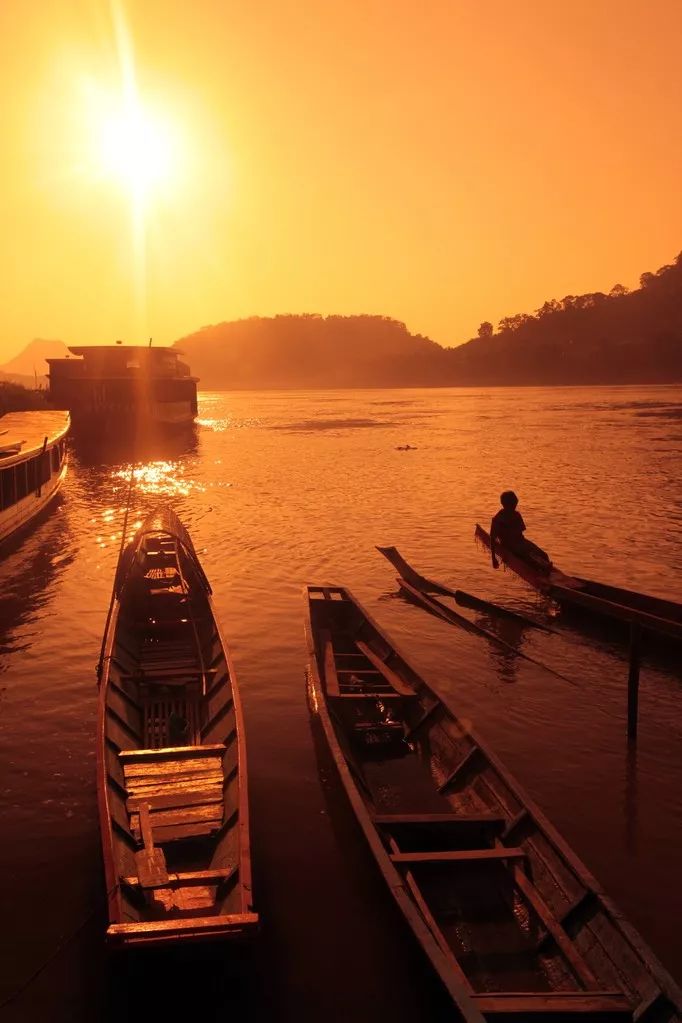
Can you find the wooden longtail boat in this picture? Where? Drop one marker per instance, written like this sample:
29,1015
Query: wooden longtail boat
660,617
512,921
410,580
425,593
172,782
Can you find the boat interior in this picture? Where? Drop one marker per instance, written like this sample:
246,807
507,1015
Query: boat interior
171,747
517,921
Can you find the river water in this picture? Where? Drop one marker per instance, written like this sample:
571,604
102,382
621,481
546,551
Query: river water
279,489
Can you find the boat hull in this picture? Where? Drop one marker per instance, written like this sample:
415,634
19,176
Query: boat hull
513,923
171,757
15,520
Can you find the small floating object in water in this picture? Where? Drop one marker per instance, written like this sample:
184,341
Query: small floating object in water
405,447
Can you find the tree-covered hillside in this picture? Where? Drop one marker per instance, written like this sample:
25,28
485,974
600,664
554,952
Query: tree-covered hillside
312,351
620,337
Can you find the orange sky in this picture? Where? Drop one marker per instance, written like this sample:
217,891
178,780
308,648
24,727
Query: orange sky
443,163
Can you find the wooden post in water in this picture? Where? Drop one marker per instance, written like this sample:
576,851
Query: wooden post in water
633,680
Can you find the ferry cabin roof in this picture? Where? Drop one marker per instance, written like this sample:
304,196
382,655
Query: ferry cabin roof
98,361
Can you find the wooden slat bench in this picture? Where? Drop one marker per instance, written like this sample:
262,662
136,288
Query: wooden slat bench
182,786
520,1006
459,856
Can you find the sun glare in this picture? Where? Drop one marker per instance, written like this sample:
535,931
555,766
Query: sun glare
138,149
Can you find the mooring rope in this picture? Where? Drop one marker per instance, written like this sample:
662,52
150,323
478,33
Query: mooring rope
124,532
58,950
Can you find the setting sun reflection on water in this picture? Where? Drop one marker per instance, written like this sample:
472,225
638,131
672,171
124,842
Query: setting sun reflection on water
166,479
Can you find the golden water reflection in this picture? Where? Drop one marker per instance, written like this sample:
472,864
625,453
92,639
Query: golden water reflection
220,425
159,479
162,478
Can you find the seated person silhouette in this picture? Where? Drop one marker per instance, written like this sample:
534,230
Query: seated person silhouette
508,527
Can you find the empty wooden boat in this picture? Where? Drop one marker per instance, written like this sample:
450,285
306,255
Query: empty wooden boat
585,597
425,591
512,921
172,782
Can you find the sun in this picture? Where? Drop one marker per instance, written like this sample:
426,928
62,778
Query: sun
138,149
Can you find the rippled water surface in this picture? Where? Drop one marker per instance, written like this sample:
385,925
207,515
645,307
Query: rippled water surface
280,489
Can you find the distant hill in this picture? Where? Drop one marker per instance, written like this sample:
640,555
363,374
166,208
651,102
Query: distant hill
620,337
30,362
312,351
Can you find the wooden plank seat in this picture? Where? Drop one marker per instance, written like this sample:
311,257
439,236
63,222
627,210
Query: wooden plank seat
513,1006
182,786
168,650
156,644
189,878
458,856
169,659
466,820
172,673
180,681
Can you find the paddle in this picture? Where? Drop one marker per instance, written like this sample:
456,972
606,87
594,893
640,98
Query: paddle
150,861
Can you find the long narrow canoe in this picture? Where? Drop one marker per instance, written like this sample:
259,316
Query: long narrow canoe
512,921
658,616
429,587
172,782
425,593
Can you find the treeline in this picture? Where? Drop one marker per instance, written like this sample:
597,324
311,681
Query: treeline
15,398
309,350
620,337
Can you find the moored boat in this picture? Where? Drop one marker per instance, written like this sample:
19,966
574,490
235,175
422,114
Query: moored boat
32,465
512,921
661,618
124,390
172,780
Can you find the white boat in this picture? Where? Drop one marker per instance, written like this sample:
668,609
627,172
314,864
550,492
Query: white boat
32,465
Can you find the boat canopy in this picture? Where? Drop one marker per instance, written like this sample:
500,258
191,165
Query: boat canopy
23,434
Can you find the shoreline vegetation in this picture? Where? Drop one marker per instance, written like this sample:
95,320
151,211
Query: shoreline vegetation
623,337
17,398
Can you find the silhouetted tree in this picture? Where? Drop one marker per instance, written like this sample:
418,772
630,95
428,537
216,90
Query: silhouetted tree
486,329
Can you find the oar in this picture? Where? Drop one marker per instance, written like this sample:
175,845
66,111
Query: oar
429,586
448,614
477,604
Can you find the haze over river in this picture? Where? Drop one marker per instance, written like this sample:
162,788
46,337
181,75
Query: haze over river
279,489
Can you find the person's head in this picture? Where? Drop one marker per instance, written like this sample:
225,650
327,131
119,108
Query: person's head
509,500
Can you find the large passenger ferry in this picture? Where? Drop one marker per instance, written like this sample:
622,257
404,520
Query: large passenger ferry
123,389
32,465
